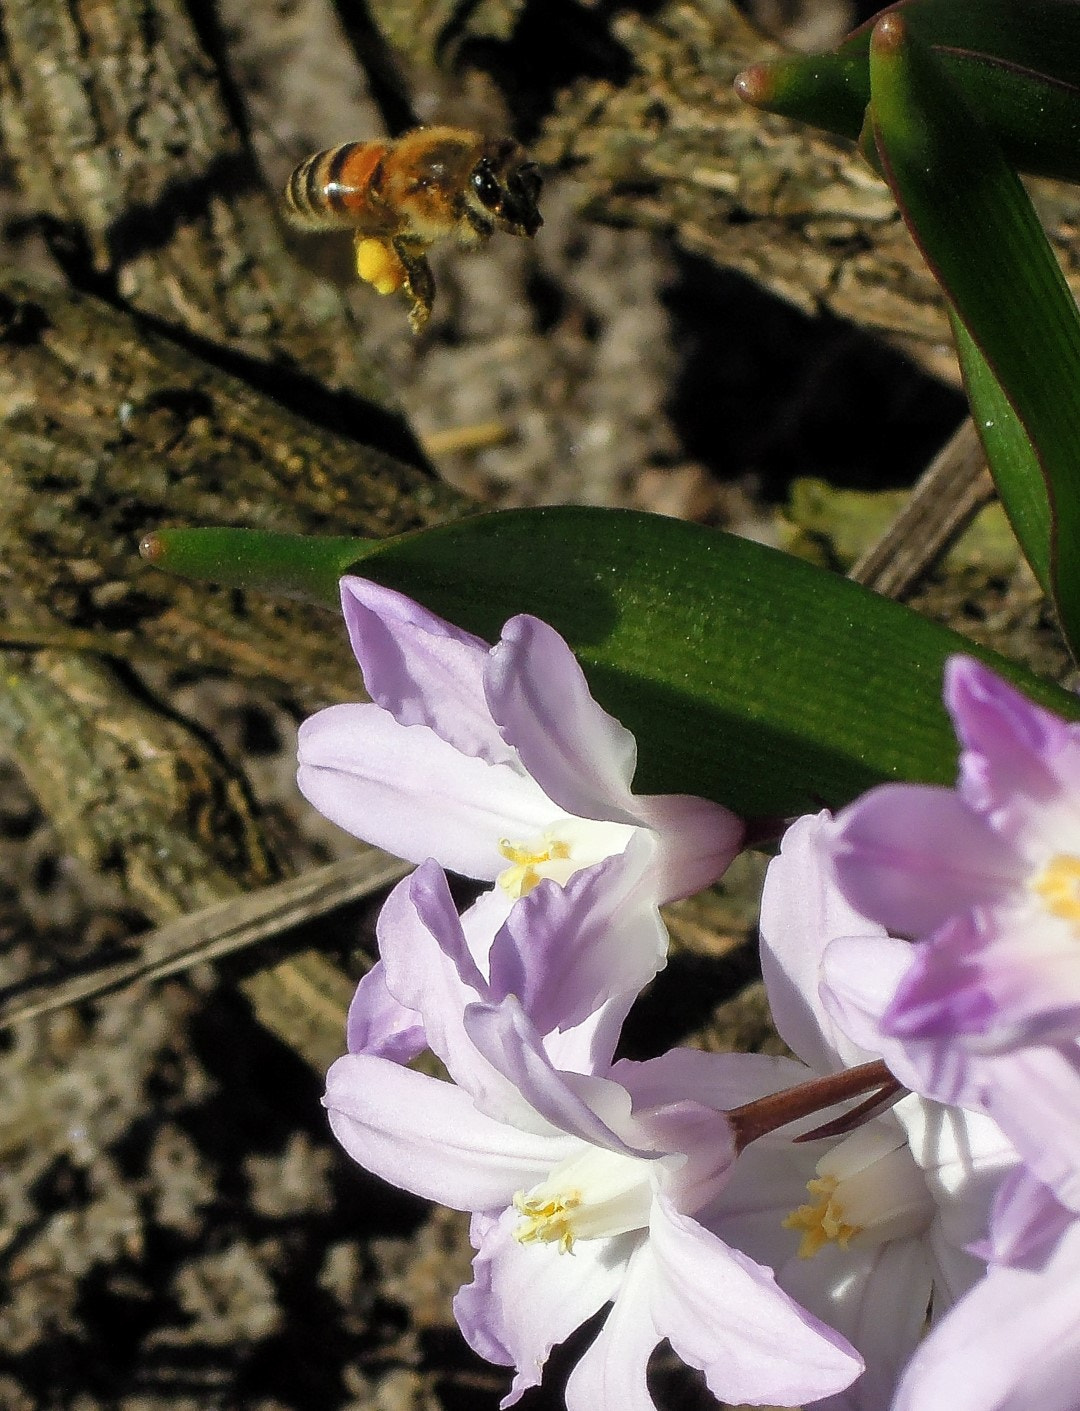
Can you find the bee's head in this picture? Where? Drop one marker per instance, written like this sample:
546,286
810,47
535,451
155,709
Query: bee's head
507,185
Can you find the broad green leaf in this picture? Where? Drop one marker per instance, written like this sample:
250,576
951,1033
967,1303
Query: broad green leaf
1017,63
748,676
976,227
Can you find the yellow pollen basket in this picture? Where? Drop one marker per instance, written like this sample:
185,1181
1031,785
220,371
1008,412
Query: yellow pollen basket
546,1221
822,1220
377,265
526,859
1058,884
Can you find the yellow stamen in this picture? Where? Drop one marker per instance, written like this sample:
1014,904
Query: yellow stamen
519,879
546,1221
822,1220
1059,886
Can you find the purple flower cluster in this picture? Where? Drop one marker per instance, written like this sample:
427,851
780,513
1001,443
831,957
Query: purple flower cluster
984,1011
672,1192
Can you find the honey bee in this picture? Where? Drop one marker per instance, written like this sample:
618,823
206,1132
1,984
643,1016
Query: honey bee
402,196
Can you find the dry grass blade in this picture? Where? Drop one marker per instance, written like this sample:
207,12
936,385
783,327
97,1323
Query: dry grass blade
945,499
213,932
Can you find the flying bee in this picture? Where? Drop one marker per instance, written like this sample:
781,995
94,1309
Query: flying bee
402,196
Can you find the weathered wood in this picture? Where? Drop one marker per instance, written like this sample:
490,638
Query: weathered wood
148,802
426,32
947,497
217,930
114,117
112,429
115,122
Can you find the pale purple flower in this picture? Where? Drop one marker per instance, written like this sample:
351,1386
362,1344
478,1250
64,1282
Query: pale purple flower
497,763
877,1222
1013,1342
583,1175
987,878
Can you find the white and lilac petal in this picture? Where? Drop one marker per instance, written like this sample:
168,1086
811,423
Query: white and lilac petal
526,1298
481,922
424,671
766,1184
802,910
378,1024
1000,983
877,1297
1027,1219
964,1157
419,927
911,856
697,841
581,757
581,1105
1011,1344
429,968
725,1314
859,980
404,789
717,1080
589,1047
1034,1096
427,1137
611,1375
955,1269
1020,765
565,951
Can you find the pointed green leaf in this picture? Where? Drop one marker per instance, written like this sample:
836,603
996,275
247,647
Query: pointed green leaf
1016,469
1017,63
978,230
301,566
748,676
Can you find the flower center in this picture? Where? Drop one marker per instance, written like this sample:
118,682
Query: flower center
561,850
868,1187
546,1221
528,861
1058,884
821,1220
594,1195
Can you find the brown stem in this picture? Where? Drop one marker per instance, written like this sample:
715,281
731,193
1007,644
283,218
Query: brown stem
759,1118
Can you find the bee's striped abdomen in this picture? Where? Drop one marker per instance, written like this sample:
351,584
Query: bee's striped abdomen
333,188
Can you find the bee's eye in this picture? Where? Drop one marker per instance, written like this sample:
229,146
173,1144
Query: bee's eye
487,189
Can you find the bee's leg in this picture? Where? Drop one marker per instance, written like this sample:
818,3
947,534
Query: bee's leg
419,281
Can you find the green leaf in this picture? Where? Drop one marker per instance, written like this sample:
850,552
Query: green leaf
976,227
1017,62
748,676
287,565
1016,469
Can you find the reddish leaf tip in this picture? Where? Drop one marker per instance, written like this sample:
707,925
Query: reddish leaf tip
151,548
889,34
755,85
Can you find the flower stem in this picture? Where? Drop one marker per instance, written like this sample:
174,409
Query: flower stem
757,1119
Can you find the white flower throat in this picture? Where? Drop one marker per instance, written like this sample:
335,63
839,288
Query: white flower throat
594,1195
868,1188
564,848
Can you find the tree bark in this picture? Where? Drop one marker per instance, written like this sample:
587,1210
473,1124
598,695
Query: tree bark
113,429
118,127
